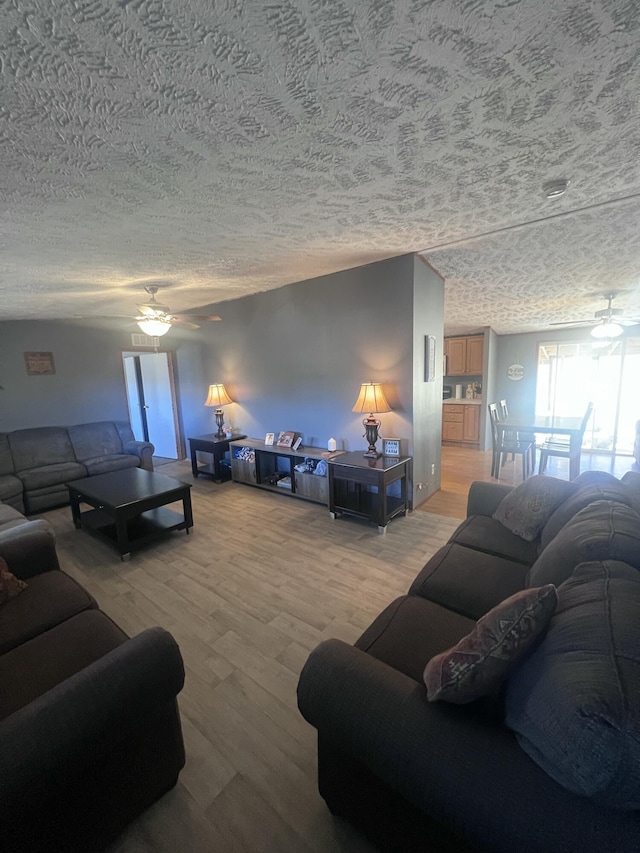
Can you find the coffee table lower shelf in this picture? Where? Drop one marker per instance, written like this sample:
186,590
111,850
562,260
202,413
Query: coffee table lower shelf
141,529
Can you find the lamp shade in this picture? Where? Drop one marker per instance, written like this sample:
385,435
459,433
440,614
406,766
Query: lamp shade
607,329
154,327
217,396
371,399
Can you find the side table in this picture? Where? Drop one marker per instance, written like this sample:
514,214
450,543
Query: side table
215,445
364,488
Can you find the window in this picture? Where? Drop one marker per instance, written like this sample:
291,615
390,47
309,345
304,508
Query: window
571,373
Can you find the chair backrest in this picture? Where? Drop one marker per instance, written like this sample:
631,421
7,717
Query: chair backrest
504,411
585,419
494,417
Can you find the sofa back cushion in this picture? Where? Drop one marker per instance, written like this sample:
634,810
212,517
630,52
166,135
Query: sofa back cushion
6,459
96,439
601,531
40,446
573,703
592,486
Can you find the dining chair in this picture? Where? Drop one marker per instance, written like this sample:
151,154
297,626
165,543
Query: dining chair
502,445
561,446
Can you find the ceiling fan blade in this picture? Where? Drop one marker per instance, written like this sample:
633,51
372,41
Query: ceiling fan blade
186,324
202,317
575,323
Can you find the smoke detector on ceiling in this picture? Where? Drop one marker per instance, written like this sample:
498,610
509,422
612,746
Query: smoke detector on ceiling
555,188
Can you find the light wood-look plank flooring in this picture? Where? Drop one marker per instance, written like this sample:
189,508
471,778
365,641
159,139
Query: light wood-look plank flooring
460,466
259,582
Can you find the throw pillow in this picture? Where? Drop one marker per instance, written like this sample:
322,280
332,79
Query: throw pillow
573,703
526,509
479,663
10,585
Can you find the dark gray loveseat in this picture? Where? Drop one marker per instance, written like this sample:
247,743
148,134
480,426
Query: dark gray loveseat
36,463
90,733
551,761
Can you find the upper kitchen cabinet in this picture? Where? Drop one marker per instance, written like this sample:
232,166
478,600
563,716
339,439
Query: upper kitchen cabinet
464,355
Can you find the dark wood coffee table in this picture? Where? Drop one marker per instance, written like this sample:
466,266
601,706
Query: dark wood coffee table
130,507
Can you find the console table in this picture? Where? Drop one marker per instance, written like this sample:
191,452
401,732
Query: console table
217,446
365,488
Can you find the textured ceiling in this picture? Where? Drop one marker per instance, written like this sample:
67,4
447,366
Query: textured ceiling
218,149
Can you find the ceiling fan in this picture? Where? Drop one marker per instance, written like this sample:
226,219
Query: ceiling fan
607,323
156,319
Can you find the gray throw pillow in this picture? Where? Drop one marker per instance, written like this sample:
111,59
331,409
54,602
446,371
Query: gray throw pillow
526,509
573,703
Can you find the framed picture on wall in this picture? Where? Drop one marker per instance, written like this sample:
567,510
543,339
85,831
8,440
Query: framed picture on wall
39,363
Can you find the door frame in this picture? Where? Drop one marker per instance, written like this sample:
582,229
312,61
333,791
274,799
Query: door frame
173,387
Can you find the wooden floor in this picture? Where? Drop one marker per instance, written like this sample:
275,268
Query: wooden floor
461,466
259,582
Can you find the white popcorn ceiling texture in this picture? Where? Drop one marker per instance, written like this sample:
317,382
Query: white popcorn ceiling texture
223,148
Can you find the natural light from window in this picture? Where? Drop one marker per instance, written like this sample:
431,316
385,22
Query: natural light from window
570,374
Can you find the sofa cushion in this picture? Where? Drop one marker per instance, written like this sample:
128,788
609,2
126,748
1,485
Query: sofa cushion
10,585
34,667
573,703
52,475
592,486
484,533
90,441
10,517
478,664
410,631
34,448
50,598
467,581
105,464
10,487
602,530
527,508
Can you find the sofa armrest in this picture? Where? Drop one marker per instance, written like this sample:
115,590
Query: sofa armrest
143,449
484,498
85,717
459,768
29,549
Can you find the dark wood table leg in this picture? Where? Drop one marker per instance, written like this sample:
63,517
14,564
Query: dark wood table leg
122,537
75,508
186,509
194,463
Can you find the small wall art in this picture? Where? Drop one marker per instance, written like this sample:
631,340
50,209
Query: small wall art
429,358
39,363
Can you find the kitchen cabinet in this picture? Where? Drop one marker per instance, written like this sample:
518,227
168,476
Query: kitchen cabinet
461,423
464,355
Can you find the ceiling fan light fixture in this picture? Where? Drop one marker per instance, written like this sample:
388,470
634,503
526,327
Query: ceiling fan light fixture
154,327
555,188
607,330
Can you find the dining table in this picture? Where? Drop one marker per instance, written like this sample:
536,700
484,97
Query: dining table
568,425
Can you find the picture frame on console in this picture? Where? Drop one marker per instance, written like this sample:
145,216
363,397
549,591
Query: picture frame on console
285,439
269,437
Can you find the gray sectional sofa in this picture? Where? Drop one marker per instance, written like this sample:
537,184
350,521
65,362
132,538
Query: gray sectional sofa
90,731
546,759
36,463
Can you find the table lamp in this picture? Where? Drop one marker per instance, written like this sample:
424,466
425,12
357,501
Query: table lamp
218,397
371,399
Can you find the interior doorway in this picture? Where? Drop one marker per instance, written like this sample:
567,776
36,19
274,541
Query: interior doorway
151,397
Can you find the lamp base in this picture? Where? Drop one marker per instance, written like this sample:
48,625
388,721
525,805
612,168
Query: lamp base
371,426
220,423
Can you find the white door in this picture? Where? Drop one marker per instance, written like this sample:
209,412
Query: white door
150,396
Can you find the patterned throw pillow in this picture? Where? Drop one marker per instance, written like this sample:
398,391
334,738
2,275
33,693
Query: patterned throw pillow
480,662
10,585
526,509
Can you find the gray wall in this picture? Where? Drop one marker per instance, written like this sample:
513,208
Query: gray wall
294,358
88,384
